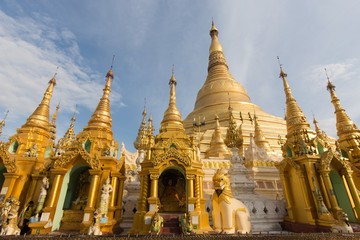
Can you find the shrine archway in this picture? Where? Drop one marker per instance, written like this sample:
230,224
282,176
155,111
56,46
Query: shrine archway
172,191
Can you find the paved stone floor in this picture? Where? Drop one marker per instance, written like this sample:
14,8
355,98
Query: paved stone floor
270,236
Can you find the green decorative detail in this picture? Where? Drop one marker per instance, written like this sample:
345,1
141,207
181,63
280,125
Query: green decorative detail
288,152
320,148
13,147
47,152
87,145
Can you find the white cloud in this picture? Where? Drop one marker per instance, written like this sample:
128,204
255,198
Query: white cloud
32,49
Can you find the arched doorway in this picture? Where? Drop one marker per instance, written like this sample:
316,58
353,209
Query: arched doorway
172,191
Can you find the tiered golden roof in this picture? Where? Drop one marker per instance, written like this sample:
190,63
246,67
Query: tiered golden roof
259,137
141,139
295,118
101,118
53,123
172,115
347,131
218,147
40,117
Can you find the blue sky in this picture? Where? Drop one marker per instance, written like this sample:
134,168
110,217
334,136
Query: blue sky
147,37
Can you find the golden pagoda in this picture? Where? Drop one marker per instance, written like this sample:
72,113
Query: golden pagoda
171,174
317,180
27,153
86,176
347,131
221,89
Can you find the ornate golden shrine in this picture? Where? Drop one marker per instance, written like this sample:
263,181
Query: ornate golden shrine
87,161
171,174
317,180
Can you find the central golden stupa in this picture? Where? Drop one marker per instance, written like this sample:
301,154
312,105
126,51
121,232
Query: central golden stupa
220,91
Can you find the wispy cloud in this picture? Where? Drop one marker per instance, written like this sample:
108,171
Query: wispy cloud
32,49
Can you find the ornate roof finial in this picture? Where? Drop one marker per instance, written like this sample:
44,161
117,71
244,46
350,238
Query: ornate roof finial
142,138
347,131
295,118
40,117
53,123
68,137
259,137
172,114
233,139
217,144
102,116
216,52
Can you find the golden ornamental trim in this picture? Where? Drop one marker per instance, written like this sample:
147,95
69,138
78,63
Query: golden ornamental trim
171,153
10,164
65,159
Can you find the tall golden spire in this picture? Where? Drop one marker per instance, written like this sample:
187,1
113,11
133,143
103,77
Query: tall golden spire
295,118
219,81
259,137
53,123
347,131
101,116
150,133
172,114
344,125
141,139
40,117
217,144
68,137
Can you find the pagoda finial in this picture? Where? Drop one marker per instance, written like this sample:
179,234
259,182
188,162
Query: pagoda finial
259,137
172,114
295,118
40,117
102,116
217,144
216,52
53,123
347,131
68,137
142,138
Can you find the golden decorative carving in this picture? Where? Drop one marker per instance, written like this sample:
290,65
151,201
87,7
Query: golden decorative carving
65,159
171,153
10,164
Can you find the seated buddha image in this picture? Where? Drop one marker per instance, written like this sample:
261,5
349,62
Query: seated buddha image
172,197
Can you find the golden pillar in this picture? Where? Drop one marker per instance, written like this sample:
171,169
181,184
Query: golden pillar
190,194
114,195
9,183
153,199
197,193
308,208
330,192
288,197
94,189
354,193
50,204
